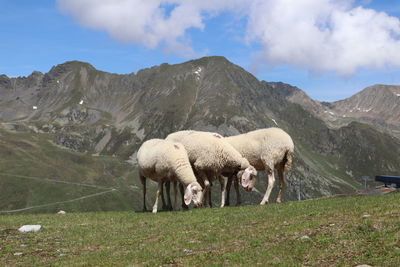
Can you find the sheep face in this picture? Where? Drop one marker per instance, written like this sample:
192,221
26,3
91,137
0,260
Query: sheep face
247,178
193,192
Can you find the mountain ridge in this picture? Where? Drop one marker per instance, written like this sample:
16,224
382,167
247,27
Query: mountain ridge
377,105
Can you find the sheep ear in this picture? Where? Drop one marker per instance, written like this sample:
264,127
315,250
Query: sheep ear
188,195
239,174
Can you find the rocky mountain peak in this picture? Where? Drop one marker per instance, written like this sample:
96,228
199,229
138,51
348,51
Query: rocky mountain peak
72,65
285,89
377,105
36,74
68,67
211,60
4,81
374,102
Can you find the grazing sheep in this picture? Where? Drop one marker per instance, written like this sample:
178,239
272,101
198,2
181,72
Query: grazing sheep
160,161
210,156
267,150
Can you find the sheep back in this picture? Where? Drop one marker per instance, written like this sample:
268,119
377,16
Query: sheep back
159,160
209,151
269,145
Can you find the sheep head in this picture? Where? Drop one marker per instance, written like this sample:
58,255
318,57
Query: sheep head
247,178
193,192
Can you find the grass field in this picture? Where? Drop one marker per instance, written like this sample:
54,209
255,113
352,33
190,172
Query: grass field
327,232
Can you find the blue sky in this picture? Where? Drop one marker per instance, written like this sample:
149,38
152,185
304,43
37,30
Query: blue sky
36,35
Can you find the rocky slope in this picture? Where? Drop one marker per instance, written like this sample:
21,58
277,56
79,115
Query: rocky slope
97,113
377,105
378,102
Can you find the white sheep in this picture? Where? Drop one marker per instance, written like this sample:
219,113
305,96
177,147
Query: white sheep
267,150
160,161
210,156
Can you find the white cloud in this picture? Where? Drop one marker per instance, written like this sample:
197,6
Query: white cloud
320,35
146,22
324,35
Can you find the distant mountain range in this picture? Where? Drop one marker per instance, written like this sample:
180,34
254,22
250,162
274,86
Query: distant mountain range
377,105
100,116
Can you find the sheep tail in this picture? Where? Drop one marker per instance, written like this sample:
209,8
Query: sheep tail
287,160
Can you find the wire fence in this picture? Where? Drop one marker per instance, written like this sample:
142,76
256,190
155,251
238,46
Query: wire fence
59,202
52,180
42,179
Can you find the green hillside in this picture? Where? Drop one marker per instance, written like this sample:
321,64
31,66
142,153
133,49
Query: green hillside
328,232
38,174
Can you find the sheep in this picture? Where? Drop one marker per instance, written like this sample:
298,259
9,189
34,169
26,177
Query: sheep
161,160
267,150
210,156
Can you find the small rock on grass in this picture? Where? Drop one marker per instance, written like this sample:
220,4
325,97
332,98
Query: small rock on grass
187,251
29,228
304,237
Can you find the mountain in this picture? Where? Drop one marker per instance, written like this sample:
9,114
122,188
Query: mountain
377,105
100,116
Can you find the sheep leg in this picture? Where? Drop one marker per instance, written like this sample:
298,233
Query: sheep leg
158,194
228,189
271,182
182,190
209,195
175,194
236,184
281,184
207,191
164,206
205,184
143,180
168,190
223,181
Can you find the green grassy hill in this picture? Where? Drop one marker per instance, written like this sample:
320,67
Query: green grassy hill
328,232
38,176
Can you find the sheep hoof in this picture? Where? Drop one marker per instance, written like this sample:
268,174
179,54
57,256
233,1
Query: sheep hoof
154,211
278,201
